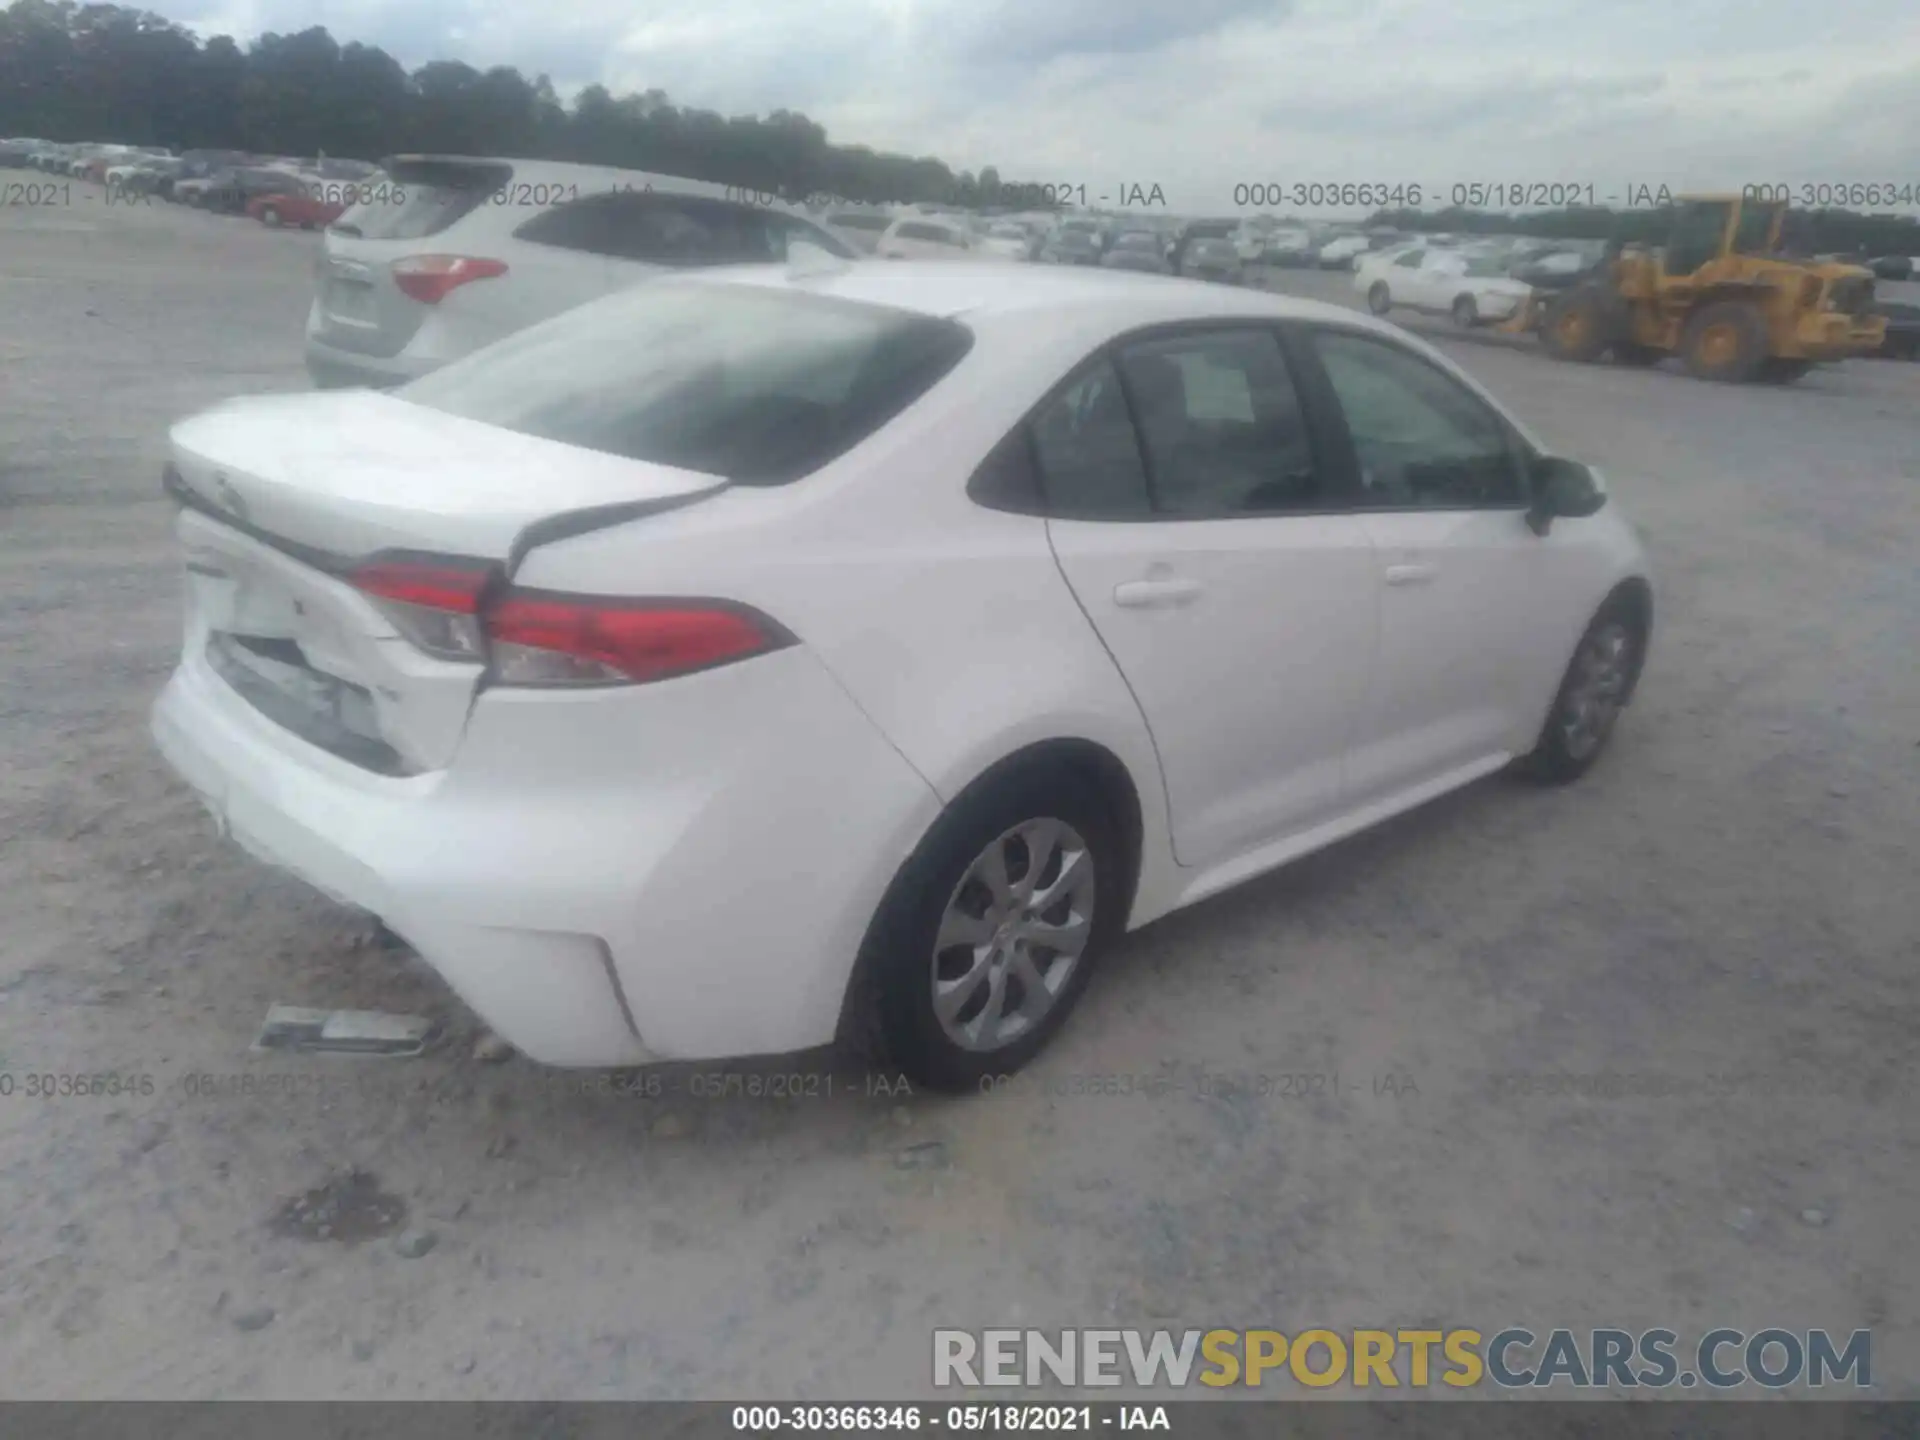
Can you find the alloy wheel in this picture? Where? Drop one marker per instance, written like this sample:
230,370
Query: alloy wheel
1601,674
1013,933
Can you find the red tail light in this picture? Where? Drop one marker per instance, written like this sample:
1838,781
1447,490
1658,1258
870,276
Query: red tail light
535,638
434,603
431,278
540,639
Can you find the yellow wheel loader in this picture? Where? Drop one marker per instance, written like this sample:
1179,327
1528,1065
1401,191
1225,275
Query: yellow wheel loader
1719,294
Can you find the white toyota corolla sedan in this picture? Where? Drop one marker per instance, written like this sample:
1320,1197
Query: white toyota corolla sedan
757,657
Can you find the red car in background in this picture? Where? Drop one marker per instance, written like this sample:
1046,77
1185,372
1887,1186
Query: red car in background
315,205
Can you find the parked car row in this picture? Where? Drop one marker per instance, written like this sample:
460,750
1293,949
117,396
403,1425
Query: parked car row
276,190
1156,245
77,162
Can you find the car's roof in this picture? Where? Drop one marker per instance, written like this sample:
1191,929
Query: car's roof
565,170
1077,309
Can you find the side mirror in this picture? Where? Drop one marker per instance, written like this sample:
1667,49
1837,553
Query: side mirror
1562,488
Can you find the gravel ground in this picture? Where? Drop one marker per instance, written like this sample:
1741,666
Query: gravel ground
1728,902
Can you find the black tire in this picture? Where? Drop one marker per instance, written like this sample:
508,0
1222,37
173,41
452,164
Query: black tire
897,966
1379,298
1725,342
1784,372
1557,757
1576,327
1638,357
1465,313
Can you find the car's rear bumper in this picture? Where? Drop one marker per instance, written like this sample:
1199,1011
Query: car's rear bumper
1498,307
680,871
334,368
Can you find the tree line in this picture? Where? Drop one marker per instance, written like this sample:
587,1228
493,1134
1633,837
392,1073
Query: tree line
71,71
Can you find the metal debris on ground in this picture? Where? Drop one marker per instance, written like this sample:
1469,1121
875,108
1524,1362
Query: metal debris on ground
344,1032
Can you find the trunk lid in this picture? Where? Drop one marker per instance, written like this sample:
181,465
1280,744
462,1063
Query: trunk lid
352,472
284,495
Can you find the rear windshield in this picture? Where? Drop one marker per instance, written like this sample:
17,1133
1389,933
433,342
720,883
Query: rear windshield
938,234
420,198
759,386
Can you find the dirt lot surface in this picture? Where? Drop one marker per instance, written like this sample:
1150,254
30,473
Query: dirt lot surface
1728,904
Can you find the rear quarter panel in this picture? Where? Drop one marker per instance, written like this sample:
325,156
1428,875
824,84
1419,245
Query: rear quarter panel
949,624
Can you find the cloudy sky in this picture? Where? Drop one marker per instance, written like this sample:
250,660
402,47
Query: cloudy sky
1200,96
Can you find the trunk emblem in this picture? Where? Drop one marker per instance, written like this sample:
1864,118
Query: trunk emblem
228,498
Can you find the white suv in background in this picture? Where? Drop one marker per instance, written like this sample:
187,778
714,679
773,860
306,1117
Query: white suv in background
446,254
924,237
861,229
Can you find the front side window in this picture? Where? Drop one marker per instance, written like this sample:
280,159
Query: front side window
758,386
1751,234
1422,440
1221,424
1695,239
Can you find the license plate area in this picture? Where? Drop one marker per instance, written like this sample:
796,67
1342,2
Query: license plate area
274,677
351,301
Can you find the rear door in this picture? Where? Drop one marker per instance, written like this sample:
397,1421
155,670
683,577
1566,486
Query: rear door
1198,527
357,304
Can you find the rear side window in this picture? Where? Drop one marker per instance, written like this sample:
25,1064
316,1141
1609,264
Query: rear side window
421,198
938,234
1088,455
675,230
760,386
871,223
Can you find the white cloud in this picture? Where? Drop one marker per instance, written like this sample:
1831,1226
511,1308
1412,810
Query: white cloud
1198,95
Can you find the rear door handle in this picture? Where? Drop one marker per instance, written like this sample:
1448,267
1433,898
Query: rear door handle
1411,574
1144,594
